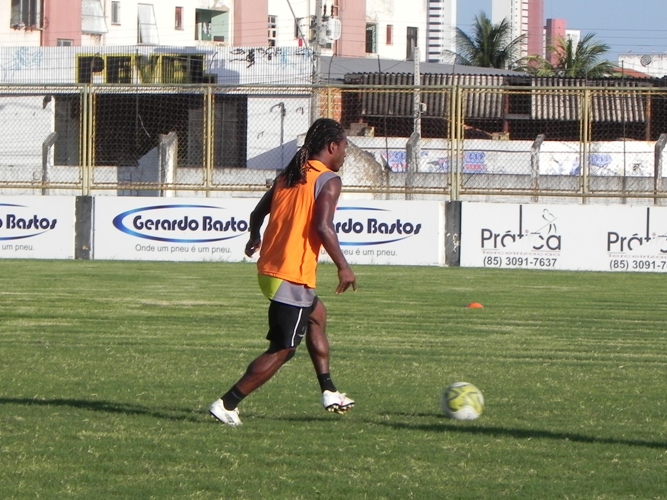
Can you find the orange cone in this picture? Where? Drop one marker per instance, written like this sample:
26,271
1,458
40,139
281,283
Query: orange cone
475,305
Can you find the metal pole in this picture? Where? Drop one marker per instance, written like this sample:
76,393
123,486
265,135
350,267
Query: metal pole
586,136
209,147
417,95
317,54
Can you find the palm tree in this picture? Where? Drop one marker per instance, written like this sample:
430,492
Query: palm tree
489,46
581,60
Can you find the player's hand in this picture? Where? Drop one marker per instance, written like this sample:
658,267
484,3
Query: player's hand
346,279
252,246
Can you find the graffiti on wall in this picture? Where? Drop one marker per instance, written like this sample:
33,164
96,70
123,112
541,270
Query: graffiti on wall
233,65
22,58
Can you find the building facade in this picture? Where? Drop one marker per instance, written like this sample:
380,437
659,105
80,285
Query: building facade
526,17
389,29
441,29
650,64
116,22
554,31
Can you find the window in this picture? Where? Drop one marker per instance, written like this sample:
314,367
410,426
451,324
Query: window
273,30
178,23
211,25
204,25
63,42
371,38
115,13
147,27
26,14
390,34
93,21
411,43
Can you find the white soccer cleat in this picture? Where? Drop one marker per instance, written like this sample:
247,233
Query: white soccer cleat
336,402
222,414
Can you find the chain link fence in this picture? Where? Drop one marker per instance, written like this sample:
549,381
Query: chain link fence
544,139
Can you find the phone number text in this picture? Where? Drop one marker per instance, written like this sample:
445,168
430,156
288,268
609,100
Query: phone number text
532,262
637,265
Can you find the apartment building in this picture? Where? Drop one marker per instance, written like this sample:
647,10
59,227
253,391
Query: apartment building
115,22
388,29
526,17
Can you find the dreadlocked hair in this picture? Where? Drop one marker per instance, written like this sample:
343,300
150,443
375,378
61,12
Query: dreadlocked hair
321,133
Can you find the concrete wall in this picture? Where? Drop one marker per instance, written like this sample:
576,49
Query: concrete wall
274,122
251,23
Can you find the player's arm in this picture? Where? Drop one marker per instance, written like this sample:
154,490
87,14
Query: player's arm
325,208
257,217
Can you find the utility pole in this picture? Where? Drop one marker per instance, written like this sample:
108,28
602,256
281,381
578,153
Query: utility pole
317,56
413,147
417,102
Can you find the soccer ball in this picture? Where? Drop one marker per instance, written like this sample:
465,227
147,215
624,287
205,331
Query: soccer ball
462,401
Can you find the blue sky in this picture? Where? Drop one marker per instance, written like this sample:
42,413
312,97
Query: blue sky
628,26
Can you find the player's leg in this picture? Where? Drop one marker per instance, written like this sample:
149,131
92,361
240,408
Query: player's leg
317,343
316,338
287,326
263,368
258,372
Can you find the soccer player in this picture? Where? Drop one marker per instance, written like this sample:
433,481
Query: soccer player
301,204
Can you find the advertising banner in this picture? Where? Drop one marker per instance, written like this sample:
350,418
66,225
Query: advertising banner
569,237
37,227
370,232
174,229
407,233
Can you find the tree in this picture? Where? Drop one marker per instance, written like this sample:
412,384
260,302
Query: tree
582,60
489,46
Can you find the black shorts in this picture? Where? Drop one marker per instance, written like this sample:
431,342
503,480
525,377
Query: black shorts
288,324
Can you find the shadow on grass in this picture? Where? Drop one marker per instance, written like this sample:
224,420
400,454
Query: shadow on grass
176,414
470,428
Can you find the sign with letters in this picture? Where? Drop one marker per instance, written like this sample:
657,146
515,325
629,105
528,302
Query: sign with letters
176,229
37,227
570,237
390,232
216,229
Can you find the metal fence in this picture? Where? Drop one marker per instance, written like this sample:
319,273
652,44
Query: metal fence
452,142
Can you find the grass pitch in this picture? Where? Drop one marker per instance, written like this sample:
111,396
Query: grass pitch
107,370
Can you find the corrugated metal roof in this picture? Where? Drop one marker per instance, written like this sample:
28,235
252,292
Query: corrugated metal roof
607,105
560,99
557,104
478,104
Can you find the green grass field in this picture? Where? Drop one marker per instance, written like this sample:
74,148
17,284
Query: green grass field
107,370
